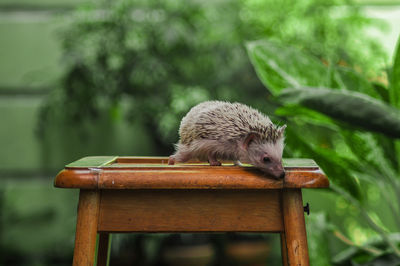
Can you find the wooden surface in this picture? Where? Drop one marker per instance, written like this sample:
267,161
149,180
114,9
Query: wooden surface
144,194
295,229
154,173
190,211
86,228
139,161
284,249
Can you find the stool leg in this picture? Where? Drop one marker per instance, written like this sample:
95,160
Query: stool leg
86,228
284,249
295,229
103,249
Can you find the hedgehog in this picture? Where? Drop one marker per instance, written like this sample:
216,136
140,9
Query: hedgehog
217,130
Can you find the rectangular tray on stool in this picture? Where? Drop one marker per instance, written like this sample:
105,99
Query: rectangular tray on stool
145,194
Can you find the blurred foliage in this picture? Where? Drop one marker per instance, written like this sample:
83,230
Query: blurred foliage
163,57
369,254
360,151
317,228
46,227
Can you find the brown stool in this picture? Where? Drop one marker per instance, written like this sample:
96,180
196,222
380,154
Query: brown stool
144,194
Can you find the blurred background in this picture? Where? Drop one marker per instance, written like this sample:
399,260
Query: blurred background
80,78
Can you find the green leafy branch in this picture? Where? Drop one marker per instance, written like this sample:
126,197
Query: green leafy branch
338,110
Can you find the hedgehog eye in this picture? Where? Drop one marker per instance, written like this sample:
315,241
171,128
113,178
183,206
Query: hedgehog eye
266,160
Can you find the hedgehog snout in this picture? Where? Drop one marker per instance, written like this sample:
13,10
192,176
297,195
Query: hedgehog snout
277,172
282,176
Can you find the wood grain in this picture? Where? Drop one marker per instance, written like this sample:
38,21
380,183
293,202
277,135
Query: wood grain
295,229
144,194
190,211
284,249
200,178
131,173
77,178
86,228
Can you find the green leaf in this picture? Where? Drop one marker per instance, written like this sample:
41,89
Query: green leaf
279,66
382,91
293,110
394,89
354,108
362,257
388,147
367,149
336,167
316,126
348,78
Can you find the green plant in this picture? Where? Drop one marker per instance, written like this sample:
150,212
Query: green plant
162,57
350,126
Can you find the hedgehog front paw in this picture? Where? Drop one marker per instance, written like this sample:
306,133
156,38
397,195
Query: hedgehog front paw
213,160
171,160
215,163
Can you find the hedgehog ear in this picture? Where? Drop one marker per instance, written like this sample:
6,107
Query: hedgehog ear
281,130
248,139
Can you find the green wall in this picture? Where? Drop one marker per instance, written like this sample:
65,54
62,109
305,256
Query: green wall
31,63
37,221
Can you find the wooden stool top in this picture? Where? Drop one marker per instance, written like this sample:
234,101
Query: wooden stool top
154,173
